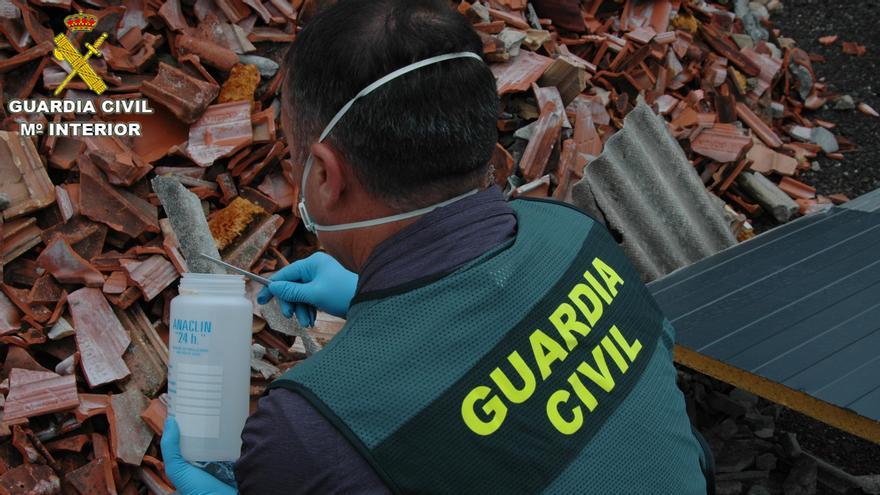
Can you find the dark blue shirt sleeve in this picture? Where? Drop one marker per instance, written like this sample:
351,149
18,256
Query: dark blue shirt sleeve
288,447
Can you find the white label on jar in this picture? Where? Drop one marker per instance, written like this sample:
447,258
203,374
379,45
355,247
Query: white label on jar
197,399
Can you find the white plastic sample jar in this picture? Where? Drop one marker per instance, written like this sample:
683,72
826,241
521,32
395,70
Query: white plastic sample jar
209,365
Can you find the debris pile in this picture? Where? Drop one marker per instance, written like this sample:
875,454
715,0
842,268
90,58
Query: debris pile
95,231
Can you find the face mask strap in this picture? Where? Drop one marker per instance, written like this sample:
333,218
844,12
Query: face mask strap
310,225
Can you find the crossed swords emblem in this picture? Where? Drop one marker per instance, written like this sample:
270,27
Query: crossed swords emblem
65,51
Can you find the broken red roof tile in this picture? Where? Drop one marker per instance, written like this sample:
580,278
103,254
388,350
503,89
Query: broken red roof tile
10,318
45,291
154,415
279,189
22,176
34,393
67,267
18,236
116,283
565,15
721,143
122,166
33,53
30,479
129,434
828,40
757,126
796,189
100,337
520,72
185,96
769,67
208,52
867,110
765,160
91,405
118,208
544,137
65,205
171,13
848,47
222,130
152,276
73,443
92,478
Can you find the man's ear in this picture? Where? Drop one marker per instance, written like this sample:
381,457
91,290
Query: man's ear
328,174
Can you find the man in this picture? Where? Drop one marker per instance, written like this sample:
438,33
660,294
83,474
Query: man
490,347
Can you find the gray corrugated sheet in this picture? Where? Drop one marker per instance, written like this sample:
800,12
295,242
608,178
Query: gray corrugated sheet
799,305
644,189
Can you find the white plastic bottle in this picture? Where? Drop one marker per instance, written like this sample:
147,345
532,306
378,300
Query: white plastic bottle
209,365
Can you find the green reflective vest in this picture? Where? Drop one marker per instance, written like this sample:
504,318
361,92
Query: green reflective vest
544,366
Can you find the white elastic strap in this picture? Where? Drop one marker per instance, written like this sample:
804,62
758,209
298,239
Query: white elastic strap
304,214
391,218
393,75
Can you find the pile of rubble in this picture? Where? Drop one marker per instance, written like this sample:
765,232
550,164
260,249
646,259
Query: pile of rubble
92,248
753,455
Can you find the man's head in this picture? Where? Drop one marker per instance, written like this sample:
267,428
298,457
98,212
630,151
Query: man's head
417,140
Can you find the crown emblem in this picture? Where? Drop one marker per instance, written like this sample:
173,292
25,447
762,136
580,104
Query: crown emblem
81,22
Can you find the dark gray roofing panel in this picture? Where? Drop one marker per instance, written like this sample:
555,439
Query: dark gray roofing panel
799,305
643,187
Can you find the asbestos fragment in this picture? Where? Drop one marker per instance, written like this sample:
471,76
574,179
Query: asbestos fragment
248,249
188,221
100,337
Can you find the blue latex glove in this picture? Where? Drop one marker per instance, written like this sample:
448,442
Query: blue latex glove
188,479
317,281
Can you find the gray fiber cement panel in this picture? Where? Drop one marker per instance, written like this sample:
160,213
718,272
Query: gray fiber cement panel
799,305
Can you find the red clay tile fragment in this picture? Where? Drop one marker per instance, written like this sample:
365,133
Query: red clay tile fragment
209,52
91,405
92,478
129,434
33,53
185,96
867,110
828,40
122,166
720,145
222,130
544,137
154,416
17,237
797,189
151,276
74,443
757,125
765,160
67,267
852,48
10,318
30,479
118,208
100,337
520,72
34,393
22,176
116,283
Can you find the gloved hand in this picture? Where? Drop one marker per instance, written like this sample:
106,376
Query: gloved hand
317,281
188,479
